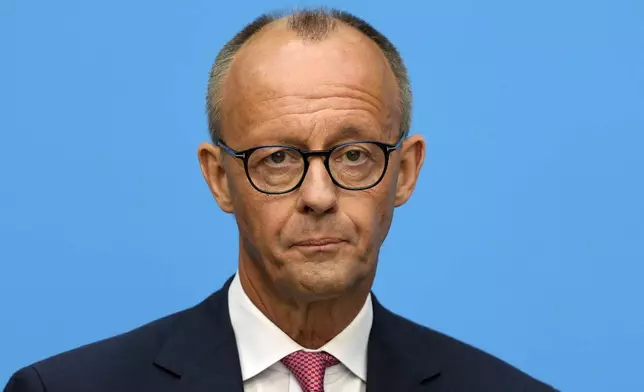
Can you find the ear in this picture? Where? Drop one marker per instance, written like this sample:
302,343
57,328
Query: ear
214,172
412,156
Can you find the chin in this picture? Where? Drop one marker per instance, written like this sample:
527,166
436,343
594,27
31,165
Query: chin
325,279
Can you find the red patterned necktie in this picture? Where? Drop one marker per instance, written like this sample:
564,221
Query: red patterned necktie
309,367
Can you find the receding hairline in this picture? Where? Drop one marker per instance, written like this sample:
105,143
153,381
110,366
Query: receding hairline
284,25
290,22
310,25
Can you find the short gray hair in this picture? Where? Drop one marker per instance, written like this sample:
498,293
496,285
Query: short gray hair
311,25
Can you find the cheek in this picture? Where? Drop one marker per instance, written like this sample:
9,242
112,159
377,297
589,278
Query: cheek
371,215
264,217
274,213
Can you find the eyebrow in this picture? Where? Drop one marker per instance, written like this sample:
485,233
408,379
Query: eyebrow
344,134
351,132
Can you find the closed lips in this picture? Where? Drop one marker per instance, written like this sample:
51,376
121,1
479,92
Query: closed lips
319,242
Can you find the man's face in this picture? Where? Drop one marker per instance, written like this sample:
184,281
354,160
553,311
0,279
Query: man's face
319,240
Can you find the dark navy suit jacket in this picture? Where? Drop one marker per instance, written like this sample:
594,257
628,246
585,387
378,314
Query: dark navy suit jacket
195,351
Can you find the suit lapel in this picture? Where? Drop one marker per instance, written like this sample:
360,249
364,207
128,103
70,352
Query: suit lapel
398,358
200,352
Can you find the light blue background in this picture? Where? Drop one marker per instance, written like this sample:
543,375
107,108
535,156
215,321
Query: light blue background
525,236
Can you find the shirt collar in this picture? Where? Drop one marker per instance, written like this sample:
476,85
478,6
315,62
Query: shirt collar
261,343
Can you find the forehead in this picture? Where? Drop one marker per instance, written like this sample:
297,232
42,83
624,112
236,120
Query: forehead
278,77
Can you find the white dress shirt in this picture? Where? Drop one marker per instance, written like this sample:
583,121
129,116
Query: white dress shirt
261,345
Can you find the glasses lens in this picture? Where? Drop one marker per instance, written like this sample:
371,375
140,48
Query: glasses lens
357,165
275,169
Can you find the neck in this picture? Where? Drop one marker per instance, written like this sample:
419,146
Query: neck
309,322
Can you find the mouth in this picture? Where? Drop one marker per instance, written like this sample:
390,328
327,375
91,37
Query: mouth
319,244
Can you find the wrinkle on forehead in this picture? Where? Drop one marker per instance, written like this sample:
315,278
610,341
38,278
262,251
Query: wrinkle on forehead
278,71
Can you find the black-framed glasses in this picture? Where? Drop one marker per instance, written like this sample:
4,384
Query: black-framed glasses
277,169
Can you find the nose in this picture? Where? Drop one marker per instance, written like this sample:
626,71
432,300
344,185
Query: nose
317,192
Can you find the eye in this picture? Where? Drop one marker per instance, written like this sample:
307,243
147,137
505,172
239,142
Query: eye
353,155
277,157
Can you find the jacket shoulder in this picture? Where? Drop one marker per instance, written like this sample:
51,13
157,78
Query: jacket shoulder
129,355
463,366
25,380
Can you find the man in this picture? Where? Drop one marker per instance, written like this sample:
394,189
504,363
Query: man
309,116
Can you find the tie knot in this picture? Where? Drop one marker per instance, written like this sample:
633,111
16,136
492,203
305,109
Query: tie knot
309,367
